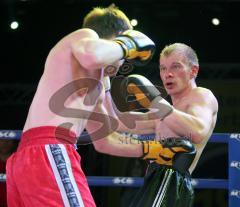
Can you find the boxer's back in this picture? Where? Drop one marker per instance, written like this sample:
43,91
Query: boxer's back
61,69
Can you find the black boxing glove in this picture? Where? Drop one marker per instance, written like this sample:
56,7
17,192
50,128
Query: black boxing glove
147,95
137,47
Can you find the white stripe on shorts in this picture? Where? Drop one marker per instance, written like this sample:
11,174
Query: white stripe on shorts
65,165
162,189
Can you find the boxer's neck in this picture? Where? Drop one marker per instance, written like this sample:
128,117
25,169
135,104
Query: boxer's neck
177,98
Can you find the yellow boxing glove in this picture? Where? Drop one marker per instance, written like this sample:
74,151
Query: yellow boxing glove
176,152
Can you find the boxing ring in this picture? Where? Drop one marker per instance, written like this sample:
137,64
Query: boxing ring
232,184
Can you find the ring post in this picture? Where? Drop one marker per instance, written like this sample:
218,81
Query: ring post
234,170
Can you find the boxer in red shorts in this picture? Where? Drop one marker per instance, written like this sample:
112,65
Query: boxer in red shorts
54,178
45,170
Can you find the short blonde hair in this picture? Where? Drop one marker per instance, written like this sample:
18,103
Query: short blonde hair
189,53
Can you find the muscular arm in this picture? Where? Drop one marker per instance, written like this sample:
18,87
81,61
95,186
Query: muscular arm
114,143
119,145
94,53
198,120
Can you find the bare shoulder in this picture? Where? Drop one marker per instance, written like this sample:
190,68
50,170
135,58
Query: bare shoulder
74,37
204,92
79,34
84,33
206,95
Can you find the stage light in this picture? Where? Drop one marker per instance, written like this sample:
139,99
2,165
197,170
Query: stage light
215,21
134,22
14,25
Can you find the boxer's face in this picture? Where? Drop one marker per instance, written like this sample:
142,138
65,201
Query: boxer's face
175,73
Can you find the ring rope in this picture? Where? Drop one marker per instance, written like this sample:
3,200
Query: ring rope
231,184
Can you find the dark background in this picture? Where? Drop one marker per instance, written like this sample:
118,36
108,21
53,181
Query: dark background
43,23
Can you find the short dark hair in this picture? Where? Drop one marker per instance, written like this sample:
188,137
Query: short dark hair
107,22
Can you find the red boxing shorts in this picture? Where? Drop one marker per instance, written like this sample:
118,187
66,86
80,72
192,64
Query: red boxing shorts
46,171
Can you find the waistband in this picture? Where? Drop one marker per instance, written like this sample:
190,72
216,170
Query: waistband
153,166
47,135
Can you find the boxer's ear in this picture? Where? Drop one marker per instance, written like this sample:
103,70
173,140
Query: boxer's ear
194,71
